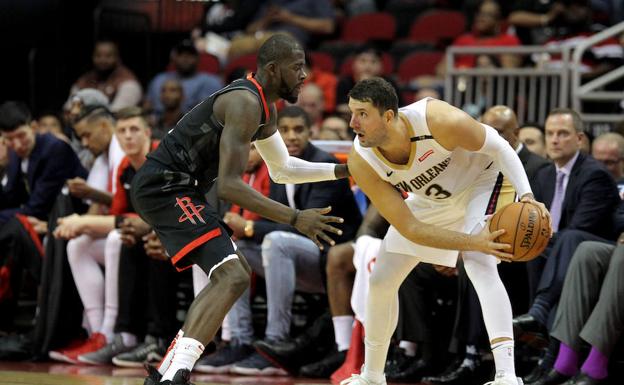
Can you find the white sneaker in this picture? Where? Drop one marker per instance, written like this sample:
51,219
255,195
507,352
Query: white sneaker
357,379
501,378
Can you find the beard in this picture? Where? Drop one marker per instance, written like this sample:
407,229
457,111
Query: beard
288,94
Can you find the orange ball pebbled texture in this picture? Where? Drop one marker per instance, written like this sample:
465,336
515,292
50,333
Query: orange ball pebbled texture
526,231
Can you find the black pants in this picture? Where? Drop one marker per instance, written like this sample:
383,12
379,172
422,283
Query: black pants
147,294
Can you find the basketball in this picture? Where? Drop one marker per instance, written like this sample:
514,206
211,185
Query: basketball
526,231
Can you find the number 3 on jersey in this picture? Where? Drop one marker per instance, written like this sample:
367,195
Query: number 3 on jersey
437,191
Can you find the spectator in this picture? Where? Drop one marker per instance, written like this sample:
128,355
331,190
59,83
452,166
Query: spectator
171,97
38,165
197,86
335,128
313,103
50,122
326,81
486,32
608,148
532,136
110,77
535,20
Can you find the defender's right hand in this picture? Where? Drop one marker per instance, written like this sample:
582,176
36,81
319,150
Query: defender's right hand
314,224
485,242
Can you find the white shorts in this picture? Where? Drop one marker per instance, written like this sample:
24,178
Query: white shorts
461,214
366,250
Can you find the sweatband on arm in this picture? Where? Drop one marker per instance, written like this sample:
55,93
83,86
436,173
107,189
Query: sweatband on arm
507,159
284,168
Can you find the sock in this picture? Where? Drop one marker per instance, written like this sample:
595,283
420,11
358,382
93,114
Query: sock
567,361
472,359
187,352
166,361
409,347
504,358
596,364
373,376
129,339
342,331
108,324
95,316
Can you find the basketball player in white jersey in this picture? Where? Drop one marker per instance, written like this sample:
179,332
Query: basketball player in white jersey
448,165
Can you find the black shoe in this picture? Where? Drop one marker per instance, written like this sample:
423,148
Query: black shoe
553,377
221,361
529,330
583,379
325,367
153,376
182,377
537,373
414,372
397,362
462,375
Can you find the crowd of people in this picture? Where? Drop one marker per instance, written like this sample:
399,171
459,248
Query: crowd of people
73,221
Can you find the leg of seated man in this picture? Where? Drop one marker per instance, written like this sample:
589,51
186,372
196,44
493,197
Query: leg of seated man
340,276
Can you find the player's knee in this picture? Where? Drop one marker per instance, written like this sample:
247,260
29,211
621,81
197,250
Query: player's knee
237,278
340,260
76,247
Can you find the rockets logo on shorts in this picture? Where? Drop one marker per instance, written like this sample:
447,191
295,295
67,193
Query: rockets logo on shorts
189,210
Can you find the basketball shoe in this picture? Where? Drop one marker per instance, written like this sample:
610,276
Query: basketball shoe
95,342
152,350
358,379
182,377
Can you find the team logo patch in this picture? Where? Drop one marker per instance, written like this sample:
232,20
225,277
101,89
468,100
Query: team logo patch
425,155
189,210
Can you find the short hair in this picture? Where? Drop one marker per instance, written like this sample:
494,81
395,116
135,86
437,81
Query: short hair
98,114
533,125
295,112
576,118
612,137
377,91
277,48
368,48
13,115
131,112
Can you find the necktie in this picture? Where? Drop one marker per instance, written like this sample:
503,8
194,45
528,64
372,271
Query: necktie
557,202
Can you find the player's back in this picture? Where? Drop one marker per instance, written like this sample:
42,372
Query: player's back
192,146
432,171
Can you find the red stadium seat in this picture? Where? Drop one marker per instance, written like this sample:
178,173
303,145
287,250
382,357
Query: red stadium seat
437,26
369,26
417,64
346,68
208,63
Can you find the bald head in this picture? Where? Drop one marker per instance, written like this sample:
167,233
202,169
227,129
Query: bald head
503,119
277,48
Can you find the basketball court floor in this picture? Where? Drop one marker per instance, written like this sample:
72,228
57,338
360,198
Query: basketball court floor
12,373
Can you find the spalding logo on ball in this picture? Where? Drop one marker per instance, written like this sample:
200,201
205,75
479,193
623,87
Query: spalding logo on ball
526,231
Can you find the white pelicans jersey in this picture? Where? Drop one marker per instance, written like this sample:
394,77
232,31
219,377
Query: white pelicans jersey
432,171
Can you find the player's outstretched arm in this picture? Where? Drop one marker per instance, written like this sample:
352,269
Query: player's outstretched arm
284,168
391,205
242,117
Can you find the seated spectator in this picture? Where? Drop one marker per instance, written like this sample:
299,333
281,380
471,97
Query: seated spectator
300,18
532,136
50,122
536,20
590,311
335,128
367,63
38,165
608,149
110,77
197,86
171,97
4,161
486,32
312,101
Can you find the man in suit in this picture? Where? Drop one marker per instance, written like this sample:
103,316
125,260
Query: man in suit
286,259
37,168
582,197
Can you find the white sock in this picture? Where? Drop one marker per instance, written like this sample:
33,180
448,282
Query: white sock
409,347
187,352
343,325
166,361
372,375
504,358
129,339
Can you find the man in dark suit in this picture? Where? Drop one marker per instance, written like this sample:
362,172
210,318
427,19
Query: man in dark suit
582,197
277,252
38,165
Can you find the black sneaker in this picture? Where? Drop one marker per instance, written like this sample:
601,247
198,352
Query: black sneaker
151,351
182,377
222,360
256,365
105,355
153,376
325,367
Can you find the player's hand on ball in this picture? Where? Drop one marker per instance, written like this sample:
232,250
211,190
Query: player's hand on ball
528,198
314,224
485,242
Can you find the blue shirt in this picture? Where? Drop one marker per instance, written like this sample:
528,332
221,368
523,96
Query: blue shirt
196,88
